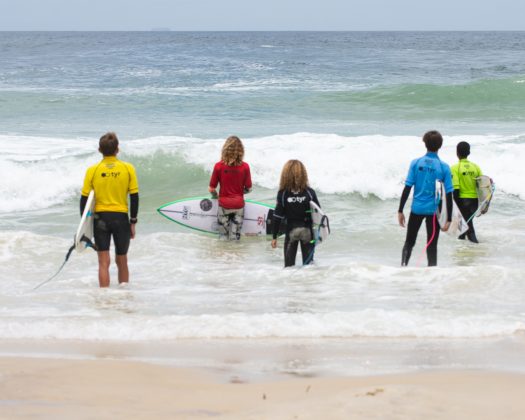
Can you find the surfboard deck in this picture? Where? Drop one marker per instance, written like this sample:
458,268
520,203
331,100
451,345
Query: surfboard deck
85,227
200,213
485,189
458,225
320,222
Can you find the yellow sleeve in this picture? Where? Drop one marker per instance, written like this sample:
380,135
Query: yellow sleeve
87,187
133,181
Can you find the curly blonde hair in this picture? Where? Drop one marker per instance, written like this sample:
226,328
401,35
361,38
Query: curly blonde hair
293,176
232,151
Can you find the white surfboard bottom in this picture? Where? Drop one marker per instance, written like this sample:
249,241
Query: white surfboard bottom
85,227
485,189
320,222
458,225
200,213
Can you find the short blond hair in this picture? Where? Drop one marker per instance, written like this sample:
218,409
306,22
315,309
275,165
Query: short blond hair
232,151
294,176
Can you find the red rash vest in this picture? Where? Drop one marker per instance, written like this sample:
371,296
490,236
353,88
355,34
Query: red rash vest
233,180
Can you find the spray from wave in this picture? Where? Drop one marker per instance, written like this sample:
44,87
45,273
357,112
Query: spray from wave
39,173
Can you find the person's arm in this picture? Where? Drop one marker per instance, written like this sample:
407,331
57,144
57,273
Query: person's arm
133,212
314,197
404,197
449,206
214,180
83,202
455,194
278,216
247,180
133,206
86,189
133,190
449,188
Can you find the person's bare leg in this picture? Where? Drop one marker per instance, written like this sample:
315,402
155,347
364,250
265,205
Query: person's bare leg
103,268
123,271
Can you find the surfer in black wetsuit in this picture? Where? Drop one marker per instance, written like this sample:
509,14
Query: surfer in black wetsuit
293,205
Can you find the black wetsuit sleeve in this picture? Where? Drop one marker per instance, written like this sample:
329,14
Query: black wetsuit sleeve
404,197
278,215
314,197
449,207
456,196
83,202
133,205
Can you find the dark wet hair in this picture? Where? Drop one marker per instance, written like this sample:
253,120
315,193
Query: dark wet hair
433,140
463,149
108,144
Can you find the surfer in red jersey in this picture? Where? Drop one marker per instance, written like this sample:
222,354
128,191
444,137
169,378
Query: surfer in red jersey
233,176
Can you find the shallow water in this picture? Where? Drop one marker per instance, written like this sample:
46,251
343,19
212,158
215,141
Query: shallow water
351,106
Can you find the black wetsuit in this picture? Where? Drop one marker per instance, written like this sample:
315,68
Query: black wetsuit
295,208
414,223
468,207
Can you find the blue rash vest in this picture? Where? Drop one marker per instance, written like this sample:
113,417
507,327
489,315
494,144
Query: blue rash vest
422,175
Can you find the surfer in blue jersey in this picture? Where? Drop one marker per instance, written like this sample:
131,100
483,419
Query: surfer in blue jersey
422,175
293,205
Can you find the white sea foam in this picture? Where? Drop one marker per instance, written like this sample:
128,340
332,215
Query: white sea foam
365,164
368,323
184,286
37,173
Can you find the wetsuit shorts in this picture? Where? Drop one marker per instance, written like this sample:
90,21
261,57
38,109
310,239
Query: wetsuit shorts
116,224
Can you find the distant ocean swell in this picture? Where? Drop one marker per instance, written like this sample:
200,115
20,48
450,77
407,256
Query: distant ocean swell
481,100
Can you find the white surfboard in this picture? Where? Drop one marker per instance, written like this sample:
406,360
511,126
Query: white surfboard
485,188
200,213
321,225
458,225
85,227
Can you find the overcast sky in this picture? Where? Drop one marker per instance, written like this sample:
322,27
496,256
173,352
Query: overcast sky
224,15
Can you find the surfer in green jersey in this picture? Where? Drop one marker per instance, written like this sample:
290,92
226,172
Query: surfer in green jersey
464,174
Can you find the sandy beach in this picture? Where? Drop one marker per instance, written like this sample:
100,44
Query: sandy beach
269,379
215,329
82,389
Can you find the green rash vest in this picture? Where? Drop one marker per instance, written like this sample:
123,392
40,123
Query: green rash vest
464,174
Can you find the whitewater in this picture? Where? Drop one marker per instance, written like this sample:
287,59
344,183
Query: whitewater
351,106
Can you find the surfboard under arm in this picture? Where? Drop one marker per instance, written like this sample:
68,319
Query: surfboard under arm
458,225
84,236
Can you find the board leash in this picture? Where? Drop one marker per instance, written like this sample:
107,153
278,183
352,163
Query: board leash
85,239
59,270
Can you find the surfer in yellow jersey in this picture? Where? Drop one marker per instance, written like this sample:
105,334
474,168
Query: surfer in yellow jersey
464,174
112,180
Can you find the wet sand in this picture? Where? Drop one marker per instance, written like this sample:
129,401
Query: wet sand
82,389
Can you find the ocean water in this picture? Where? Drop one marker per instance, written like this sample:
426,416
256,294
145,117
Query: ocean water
351,106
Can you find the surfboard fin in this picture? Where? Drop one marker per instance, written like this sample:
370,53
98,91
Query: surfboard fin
88,242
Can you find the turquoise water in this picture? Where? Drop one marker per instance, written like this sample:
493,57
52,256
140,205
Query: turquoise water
211,84
352,106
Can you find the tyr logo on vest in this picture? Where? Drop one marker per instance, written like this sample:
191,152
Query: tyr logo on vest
296,199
